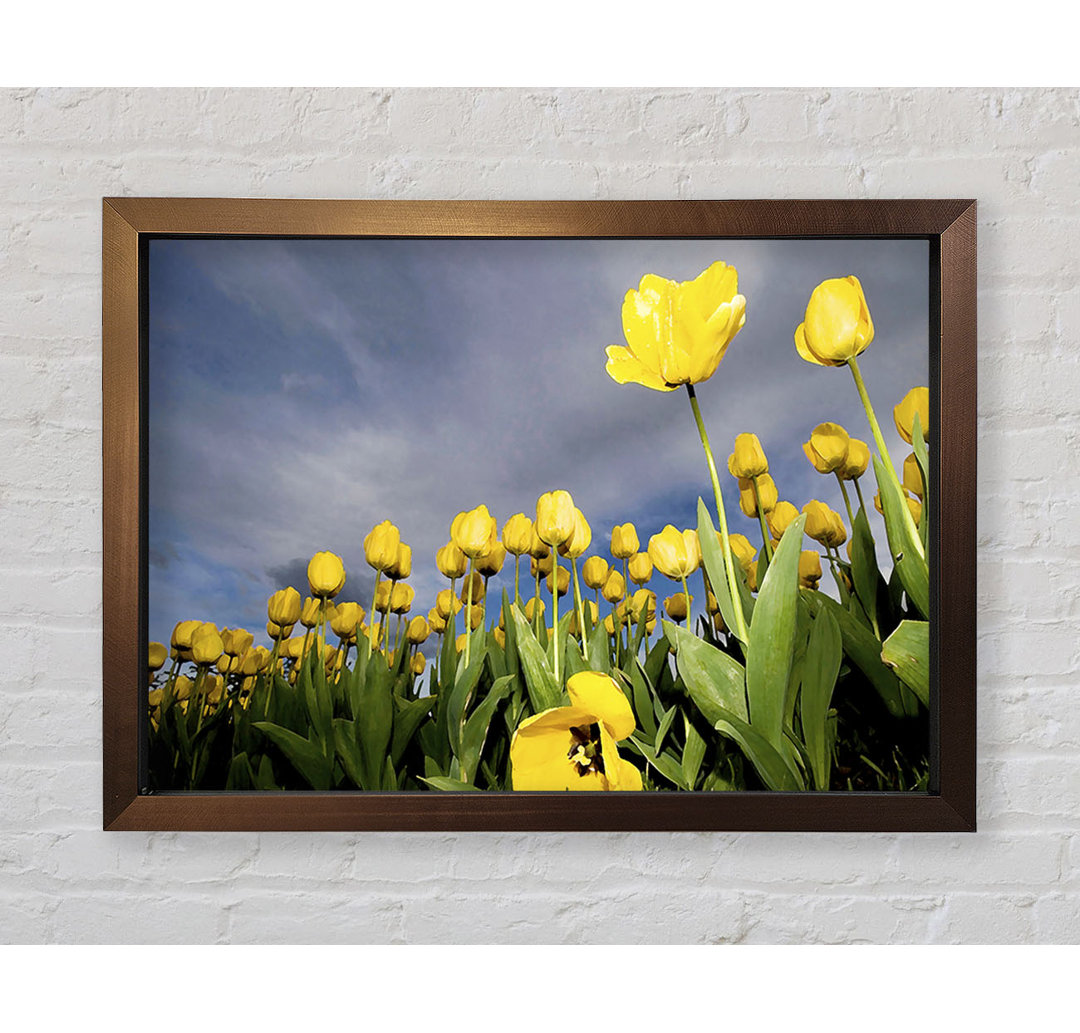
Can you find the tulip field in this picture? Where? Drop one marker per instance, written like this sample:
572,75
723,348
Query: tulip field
546,663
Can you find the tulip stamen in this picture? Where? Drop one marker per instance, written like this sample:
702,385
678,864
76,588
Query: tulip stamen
585,750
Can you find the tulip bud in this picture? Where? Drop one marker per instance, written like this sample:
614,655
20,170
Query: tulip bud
711,604
183,687
155,696
326,575
538,550
741,548
718,622
402,565
277,632
765,488
580,538
564,581
675,605
500,637
381,546
917,400
913,480
555,517
543,566
417,665
445,602
838,326
809,569
417,631
640,568
459,642
751,576
346,620
916,510
236,641
451,561
382,597
156,655
401,598
624,541
675,554
206,644
530,608
228,664
437,621
827,448
517,534
614,587
309,614
213,688
748,459
594,571
858,459
780,518
283,607
609,625
817,519
489,563
643,601
473,531
478,589
181,638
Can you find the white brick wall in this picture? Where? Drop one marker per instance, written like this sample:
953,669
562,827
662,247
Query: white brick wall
62,879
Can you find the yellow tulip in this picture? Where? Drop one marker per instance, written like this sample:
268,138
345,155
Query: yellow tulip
381,546
417,631
766,489
751,576
555,516
580,537
517,534
254,660
228,664
614,587
181,638
741,549
677,333
401,598
824,524
594,616
489,563
236,641
445,602
402,565
478,589
837,326
538,550
642,601
417,665
828,447
913,480
284,606
858,459
437,621
594,571
156,654
809,569
326,575
451,561
530,608
564,581
640,568
155,696
748,459
917,400
382,597
346,620
500,636
542,567
213,688
206,644
575,747
780,518
916,510
474,531
183,688
675,605
459,642
676,554
309,614
624,541
277,632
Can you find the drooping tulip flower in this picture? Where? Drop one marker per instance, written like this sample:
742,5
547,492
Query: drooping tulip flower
451,561
284,606
575,747
555,517
677,333
828,447
917,400
326,575
382,597
156,655
676,554
594,571
748,459
474,531
624,541
181,638
381,546
837,326
517,534
640,568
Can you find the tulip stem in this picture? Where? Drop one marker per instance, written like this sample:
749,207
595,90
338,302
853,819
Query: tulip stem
517,575
689,600
468,611
766,540
555,610
729,563
580,611
847,501
858,491
883,449
374,598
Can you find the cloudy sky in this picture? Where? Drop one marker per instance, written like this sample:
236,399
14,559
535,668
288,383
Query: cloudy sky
303,391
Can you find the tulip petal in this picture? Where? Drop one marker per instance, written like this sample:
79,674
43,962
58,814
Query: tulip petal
600,695
832,320
804,349
624,367
624,777
539,752
646,315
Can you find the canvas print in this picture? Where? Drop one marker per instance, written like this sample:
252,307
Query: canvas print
434,515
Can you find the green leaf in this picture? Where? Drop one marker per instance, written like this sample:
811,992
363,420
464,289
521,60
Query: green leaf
305,756
918,445
642,699
769,763
349,753
904,547
664,727
864,651
772,637
907,651
662,762
240,775
450,785
716,682
264,777
375,721
820,671
693,753
544,692
406,721
712,555
864,569
476,727
464,685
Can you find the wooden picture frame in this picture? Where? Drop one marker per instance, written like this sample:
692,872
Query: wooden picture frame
950,228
